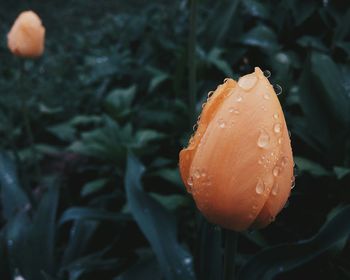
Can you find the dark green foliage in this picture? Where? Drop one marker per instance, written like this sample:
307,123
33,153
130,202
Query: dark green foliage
108,106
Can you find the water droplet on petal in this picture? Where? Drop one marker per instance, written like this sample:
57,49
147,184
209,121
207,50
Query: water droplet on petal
247,82
275,116
225,80
233,110
275,189
203,105
284,161
210,94
222,123
280,140
197,174
239,98
277,128
278,89
276,171
293,183
190,181
264,139
266,96
267,73
195,127
260,187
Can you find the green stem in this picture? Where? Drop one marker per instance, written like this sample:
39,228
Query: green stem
26,120
231,238
192,61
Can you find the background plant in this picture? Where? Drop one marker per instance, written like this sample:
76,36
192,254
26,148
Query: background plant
109,109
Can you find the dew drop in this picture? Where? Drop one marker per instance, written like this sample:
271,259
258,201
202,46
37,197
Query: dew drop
197,174
222,123
266,96
260,187
203,174
233,110
264,139
190,181
293,182
247,82
203,105
276,171
263,108
225,80
195,127
239,98
280,140
284,161
210,94
277,128
267,73
275,189
278,89
275,116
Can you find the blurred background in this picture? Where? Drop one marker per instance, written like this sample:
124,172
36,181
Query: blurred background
94,191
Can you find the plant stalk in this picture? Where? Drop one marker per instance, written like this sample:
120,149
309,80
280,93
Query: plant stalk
231,239
192,80
26,120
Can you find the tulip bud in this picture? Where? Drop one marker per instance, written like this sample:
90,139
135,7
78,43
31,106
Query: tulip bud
26,37
238,165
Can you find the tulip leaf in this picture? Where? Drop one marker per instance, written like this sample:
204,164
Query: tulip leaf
13,196
341,172
331,83
82,213
146,268
281,258
157,224
25,237
306,165
262,37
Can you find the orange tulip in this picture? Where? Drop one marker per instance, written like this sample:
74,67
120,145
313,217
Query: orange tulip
238,165
27,35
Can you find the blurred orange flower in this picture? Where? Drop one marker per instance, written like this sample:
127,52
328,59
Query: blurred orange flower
27,35
238,165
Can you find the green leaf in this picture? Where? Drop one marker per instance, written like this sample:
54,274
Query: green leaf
146,268
157,224
311,42
80,235
13,197
83,213
214,57
262,37
25,237
118,102
307,165
331,81
256,9
171,202
341,172
170,174
64,131
93,186
281,258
